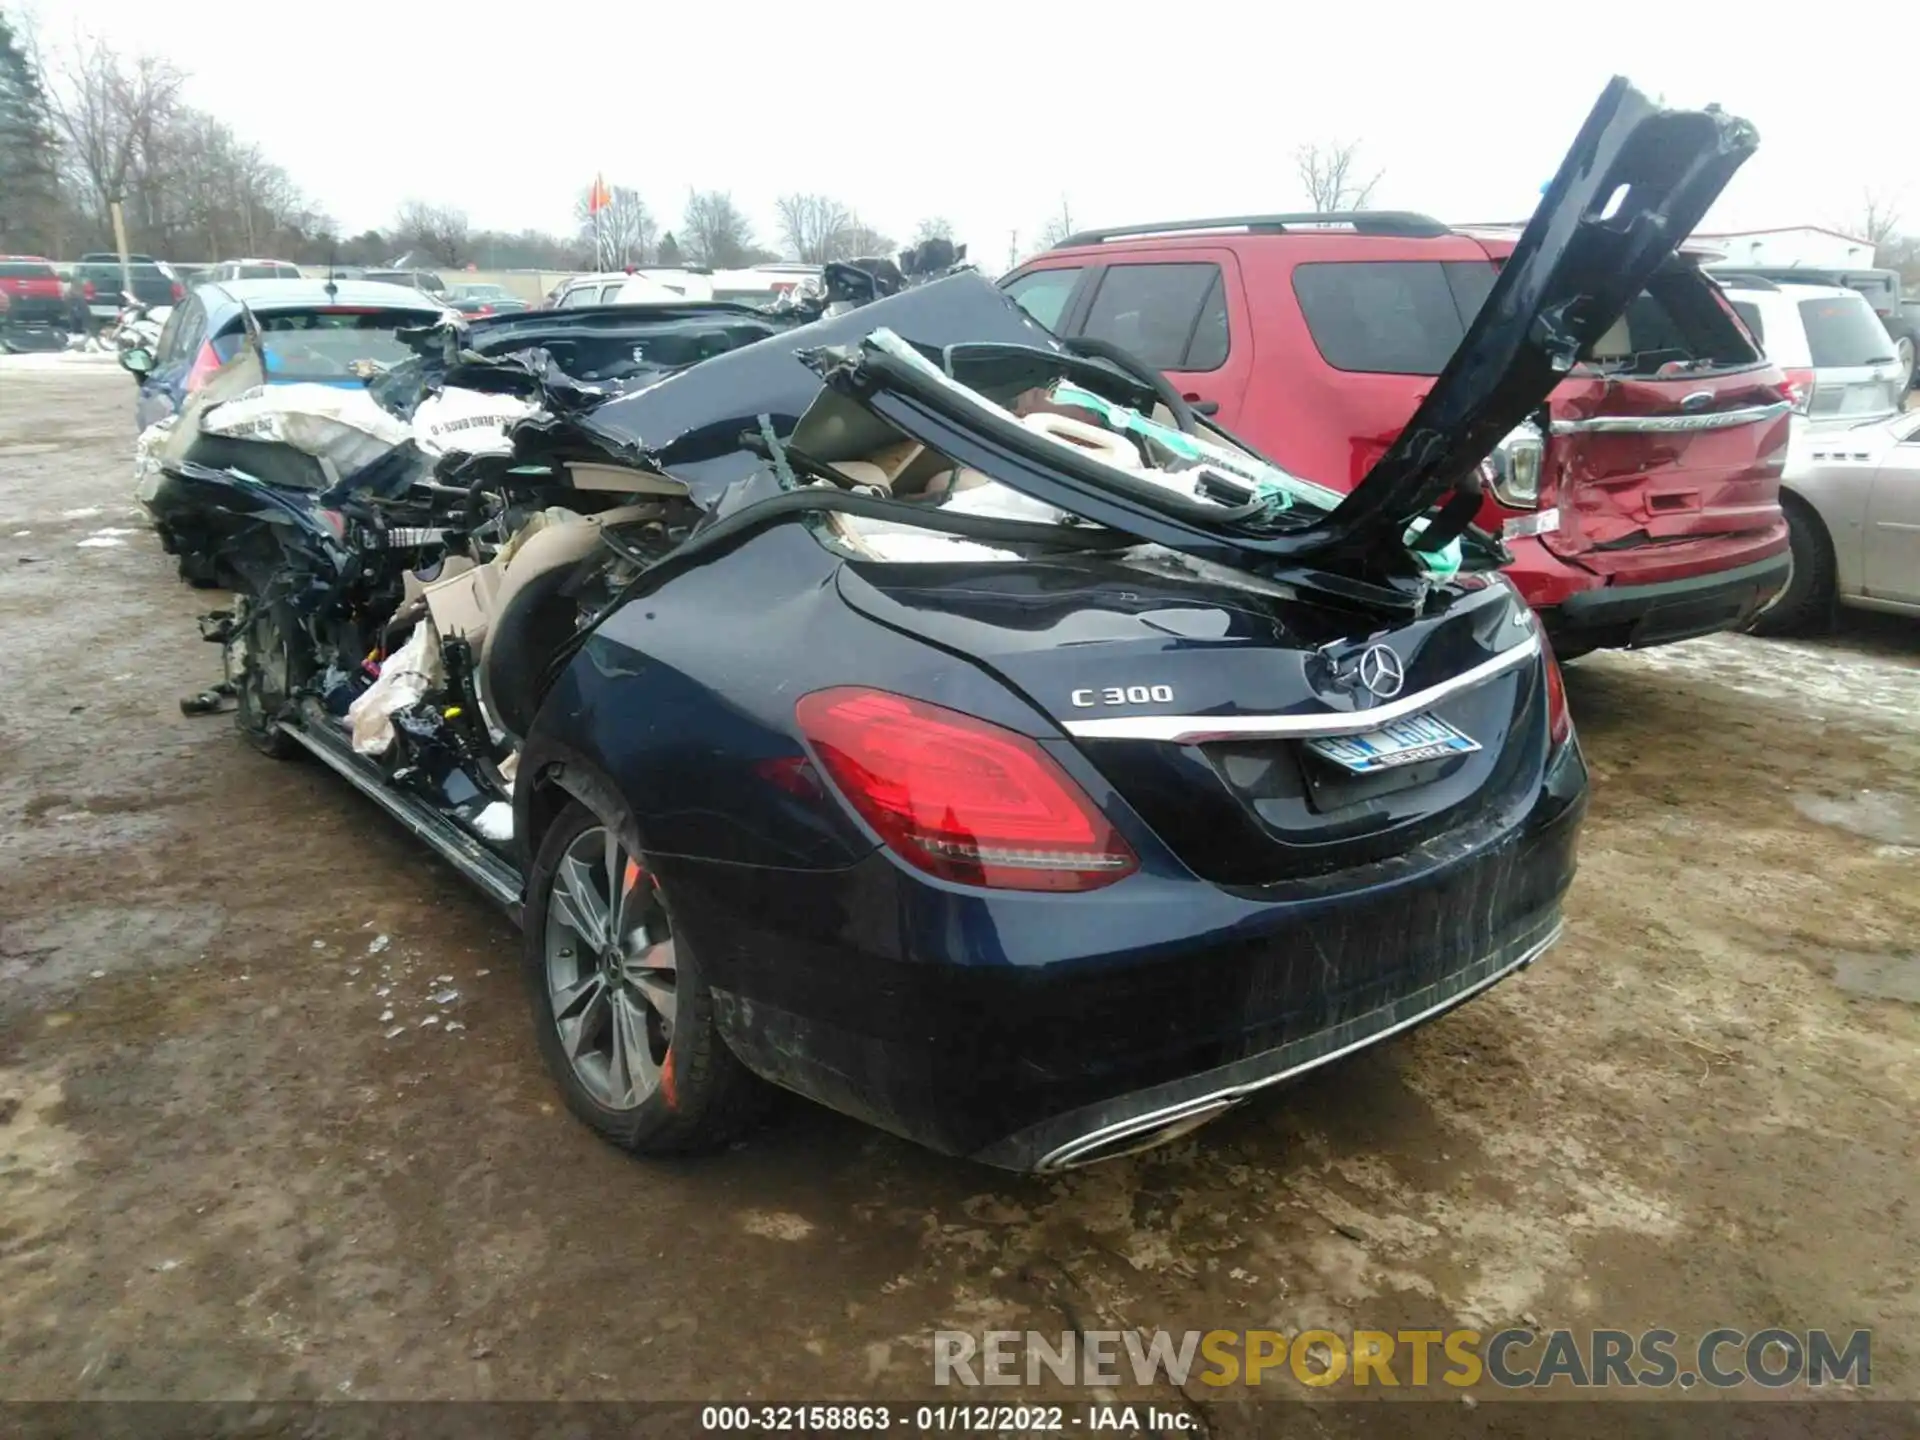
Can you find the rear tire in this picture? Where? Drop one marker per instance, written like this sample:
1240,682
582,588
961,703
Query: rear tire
1805,602
623,1016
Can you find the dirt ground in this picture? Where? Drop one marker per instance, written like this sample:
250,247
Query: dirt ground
252,1145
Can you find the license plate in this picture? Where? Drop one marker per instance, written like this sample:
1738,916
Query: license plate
1402,742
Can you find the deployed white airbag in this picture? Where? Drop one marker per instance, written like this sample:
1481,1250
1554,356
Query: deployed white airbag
344,426
405,678
468,420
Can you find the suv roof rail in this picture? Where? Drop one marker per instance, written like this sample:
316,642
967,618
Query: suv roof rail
1408,223
1745,279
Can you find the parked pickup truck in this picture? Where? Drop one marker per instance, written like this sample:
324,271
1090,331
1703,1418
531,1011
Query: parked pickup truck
30,295
94,293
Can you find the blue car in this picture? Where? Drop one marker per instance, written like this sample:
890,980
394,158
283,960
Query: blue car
312,331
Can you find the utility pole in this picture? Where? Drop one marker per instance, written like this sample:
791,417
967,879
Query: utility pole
120,239
1013,248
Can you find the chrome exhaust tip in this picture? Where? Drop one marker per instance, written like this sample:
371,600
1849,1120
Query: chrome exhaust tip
1130,1137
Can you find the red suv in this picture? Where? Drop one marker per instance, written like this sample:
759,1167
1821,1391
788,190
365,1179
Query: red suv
1641,505
32,294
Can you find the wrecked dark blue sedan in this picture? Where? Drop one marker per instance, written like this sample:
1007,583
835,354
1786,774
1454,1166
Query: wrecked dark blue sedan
945,722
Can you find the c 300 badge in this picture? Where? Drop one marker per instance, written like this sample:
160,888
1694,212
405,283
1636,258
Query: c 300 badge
1123,695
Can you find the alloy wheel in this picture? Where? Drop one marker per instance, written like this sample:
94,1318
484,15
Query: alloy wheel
610,969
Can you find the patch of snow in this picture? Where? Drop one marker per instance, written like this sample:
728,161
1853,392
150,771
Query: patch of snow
1819,678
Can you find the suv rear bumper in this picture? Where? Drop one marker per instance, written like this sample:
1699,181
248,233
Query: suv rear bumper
1584,610
1635,615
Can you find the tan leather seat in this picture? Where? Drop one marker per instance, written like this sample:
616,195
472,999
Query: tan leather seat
533,615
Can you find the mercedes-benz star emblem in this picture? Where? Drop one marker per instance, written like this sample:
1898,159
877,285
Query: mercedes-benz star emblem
1381,671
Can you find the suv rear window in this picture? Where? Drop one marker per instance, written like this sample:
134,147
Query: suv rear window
1393,317
26,270
1749,314
1681,318
1844,332
1172,317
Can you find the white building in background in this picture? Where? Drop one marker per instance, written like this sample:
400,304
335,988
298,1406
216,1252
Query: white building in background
1808,245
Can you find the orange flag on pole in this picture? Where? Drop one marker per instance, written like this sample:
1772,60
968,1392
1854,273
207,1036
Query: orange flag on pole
598,197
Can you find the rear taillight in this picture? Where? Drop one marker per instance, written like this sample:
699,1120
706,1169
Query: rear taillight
179,291
960,798
86,291
1559,715
204,364
1799,389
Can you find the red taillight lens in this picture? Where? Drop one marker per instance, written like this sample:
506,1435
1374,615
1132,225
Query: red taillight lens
179,291
1799,389
204,364
960,798
1559,714
86,291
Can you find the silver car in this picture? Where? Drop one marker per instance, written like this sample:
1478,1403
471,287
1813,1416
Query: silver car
1841,365
1852,501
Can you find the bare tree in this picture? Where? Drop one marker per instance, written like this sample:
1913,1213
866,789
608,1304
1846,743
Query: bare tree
623,230
110,112
1058,227
713,231
1879,222
934,227
1329,172
813,227
860,240
440,230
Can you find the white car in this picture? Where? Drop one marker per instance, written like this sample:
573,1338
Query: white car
1838,358
672,285
1852,502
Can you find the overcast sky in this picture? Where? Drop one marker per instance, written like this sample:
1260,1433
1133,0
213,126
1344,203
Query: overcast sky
989,113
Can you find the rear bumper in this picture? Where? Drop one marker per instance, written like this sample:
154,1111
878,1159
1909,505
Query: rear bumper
1147,1117
1633,615
35,312
1032,1032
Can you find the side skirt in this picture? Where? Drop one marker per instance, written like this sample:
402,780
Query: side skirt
496,878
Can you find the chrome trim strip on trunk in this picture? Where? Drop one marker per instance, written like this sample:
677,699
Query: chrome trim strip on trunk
1065,1157
1672,424
1198,729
